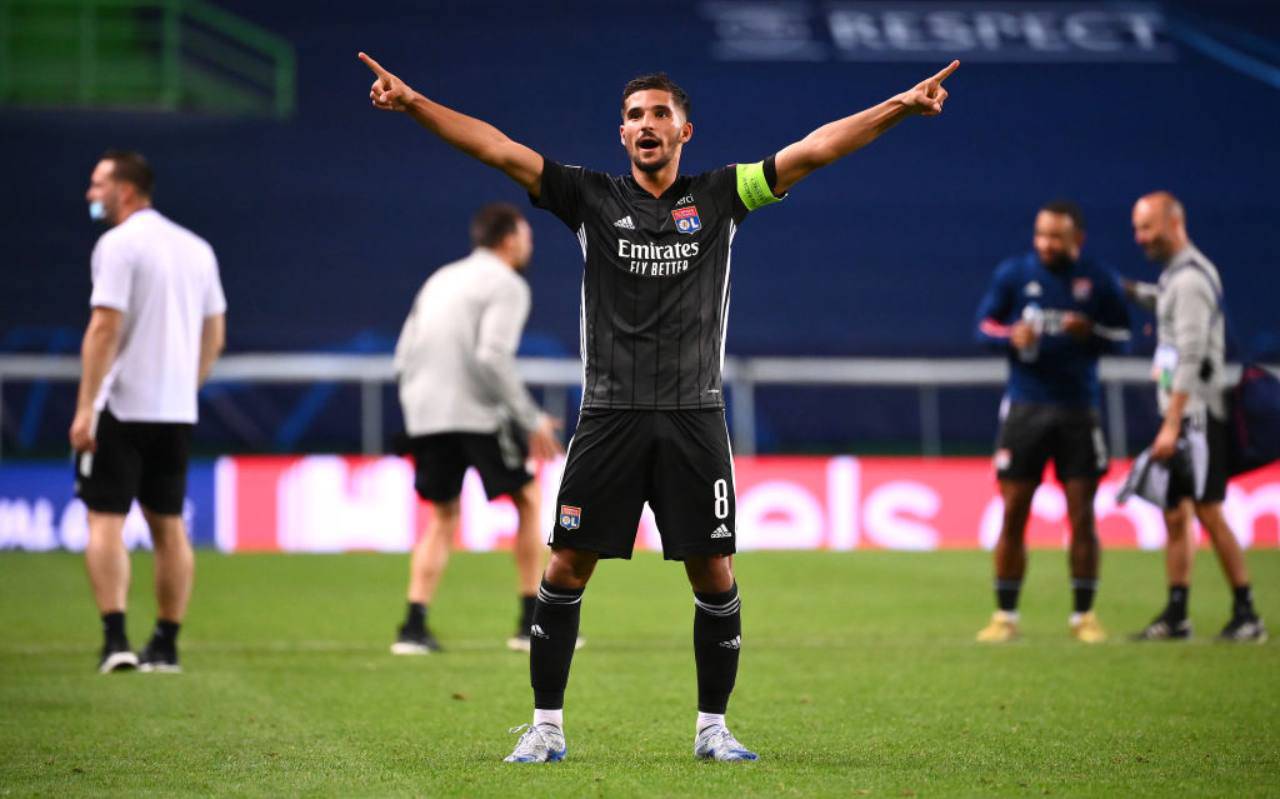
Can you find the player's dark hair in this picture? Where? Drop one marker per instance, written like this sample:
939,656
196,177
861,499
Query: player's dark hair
493,223
1066,208
660,81
130,167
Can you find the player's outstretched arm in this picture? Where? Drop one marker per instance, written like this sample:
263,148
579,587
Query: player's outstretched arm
835,140
478,139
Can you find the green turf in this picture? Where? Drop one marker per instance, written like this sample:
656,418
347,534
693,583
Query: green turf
859,677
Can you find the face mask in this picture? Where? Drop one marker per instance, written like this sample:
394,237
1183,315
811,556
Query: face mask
97,211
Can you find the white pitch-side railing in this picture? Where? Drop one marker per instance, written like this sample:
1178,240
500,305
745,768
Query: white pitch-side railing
558,375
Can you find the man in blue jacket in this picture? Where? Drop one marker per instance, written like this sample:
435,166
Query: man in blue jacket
1053,313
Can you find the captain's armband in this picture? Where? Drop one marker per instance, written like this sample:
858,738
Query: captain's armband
753,186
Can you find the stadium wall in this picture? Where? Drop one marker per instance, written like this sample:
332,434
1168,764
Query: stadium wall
290,205
335,503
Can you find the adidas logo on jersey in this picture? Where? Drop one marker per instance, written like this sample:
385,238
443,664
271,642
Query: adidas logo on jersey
733,643
625,223
722,532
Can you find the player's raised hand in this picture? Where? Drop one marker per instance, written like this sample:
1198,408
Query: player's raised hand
388,93
927,96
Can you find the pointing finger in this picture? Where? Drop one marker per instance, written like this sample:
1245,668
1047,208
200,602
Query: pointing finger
376,67
945,73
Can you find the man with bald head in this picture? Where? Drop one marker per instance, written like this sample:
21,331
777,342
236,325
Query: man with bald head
1188,368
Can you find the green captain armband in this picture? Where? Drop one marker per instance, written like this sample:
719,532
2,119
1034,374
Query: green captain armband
753,187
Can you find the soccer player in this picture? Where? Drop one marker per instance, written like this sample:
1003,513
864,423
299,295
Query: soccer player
1190,351
1053,312
157,326
464,406
655,302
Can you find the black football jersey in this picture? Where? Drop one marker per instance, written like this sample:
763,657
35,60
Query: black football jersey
656,282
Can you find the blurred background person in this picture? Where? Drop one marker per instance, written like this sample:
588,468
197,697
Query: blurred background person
157,326
1188,369
1053,312
465,406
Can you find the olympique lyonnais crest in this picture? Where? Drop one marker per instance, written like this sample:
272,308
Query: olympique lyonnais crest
570,517
686,219
1081,288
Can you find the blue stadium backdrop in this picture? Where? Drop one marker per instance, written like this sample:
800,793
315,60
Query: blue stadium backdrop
327,222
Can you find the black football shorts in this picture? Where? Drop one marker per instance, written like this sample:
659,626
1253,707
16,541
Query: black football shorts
1182,482
142,460
1032,434
441,461
679,462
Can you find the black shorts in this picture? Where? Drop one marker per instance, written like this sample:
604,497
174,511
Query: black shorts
1182,482
677,461
441,461
143,460
1031,434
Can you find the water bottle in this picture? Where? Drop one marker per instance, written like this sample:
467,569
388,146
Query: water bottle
1033,315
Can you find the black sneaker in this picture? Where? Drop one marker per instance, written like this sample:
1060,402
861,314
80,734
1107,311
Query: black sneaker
159,657
415,642
1244,629
117,656
1165,629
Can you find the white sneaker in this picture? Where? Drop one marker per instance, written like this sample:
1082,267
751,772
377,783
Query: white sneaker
114,659
541,743
415,642
715,742
522,642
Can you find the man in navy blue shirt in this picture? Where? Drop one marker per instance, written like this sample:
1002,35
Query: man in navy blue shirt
1053,313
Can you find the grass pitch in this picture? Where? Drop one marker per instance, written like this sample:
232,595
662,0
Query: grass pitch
859,677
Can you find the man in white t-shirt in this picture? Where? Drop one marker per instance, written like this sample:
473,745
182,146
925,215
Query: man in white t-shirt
157,326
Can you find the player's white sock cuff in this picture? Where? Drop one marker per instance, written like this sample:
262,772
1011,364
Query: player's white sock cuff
708,719
555,717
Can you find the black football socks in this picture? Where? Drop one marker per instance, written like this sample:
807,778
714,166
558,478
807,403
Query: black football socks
1242,602
527,605
166,633
415,619
717,641
1083,590
1176,610
113,630
553,636
1007,594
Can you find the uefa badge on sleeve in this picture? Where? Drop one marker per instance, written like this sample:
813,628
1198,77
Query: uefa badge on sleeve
686,219
570,517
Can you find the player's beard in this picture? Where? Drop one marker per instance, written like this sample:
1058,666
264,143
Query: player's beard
651,166
1059,263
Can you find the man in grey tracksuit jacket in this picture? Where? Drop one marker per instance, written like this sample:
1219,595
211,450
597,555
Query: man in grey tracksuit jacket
466,407
1188,368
